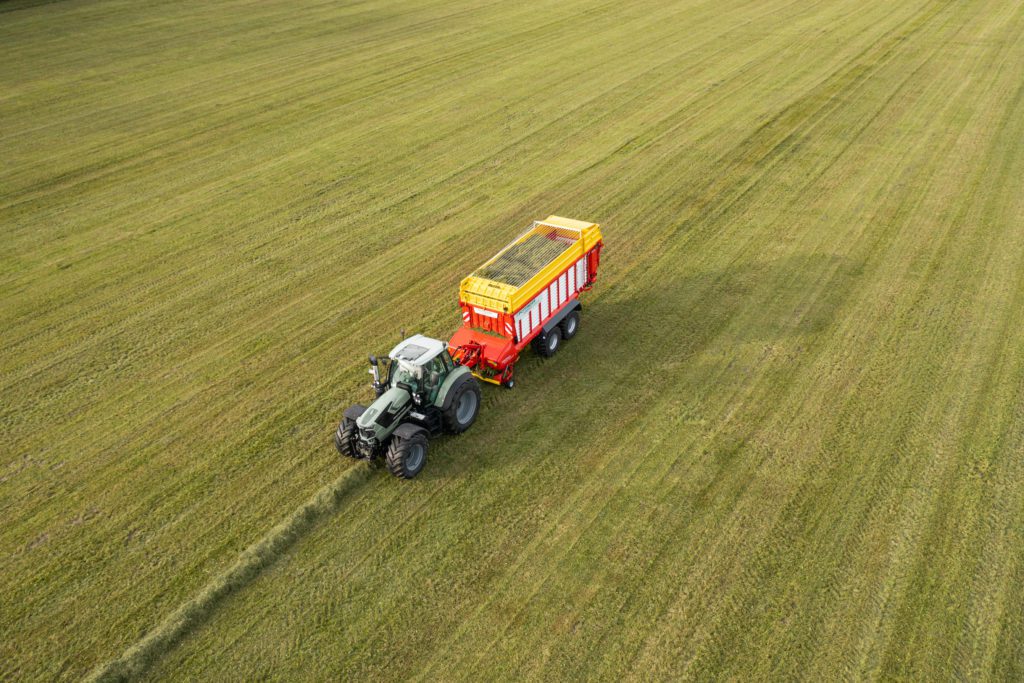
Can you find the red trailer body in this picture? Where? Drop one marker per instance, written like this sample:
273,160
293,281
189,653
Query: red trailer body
524,293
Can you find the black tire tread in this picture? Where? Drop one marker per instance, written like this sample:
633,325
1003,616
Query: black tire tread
344,436
540,343
451,422
394,457
564,325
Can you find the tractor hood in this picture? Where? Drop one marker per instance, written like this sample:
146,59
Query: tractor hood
386,413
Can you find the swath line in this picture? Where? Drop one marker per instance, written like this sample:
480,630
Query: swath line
134,661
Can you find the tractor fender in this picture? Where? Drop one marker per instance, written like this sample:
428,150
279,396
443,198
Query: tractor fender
455,379
407,430
353,412
561,315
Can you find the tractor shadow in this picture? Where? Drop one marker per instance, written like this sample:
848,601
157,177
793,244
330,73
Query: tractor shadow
652,328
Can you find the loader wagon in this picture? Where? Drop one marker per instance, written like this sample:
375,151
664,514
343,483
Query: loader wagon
528,293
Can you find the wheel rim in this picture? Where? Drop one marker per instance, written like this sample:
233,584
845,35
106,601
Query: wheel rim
466,408
414,460
570,327
553,344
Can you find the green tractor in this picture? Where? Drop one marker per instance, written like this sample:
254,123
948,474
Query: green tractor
421,392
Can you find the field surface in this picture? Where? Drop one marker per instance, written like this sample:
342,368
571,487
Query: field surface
787,441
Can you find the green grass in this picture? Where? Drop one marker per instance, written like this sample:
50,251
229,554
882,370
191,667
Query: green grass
786,442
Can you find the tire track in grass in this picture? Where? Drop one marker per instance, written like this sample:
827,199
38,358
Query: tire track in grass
660,573
991,588
135,660
925,575
807,483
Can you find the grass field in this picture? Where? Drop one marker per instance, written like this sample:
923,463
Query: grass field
787,441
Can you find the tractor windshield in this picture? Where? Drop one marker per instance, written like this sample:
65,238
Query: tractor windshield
406,373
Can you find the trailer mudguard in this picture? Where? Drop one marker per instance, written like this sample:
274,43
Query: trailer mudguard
454,380
560,316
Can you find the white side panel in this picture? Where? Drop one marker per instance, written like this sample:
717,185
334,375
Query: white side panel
572,280
543,298
581,275
561,288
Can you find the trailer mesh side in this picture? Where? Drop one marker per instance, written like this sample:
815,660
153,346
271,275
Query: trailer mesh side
518,262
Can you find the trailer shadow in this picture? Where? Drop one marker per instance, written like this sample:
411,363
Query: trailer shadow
633,335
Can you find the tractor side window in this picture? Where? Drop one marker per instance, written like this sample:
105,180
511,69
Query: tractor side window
446,361
436,365
435,373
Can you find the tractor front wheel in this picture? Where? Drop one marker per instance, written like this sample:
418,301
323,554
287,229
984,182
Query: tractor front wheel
464,407
406,457
344,438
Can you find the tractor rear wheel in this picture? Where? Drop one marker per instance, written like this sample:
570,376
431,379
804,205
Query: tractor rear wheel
465,406
570,325
406,457
547,345
344,438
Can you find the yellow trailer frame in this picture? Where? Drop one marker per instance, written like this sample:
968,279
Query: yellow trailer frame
507,298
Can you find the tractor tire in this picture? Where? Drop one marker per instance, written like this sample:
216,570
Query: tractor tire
547,345
570,325
406,457
465,406
344,438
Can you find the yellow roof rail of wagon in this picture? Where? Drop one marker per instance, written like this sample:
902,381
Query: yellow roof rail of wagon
525,266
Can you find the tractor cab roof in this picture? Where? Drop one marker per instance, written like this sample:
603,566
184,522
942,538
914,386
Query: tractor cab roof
417,350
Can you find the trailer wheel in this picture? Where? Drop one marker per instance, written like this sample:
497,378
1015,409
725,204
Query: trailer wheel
464,408
547,345
406,457
571,325
344,437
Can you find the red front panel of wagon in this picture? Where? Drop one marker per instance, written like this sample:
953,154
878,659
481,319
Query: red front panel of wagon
486,319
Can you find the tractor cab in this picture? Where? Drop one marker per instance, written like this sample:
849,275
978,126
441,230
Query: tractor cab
418,365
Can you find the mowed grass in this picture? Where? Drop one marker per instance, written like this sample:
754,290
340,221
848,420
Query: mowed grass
787,441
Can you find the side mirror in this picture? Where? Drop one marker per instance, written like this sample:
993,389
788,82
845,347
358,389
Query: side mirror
376,375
